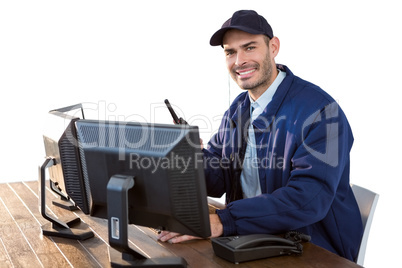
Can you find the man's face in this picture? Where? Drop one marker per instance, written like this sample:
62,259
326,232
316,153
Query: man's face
248,60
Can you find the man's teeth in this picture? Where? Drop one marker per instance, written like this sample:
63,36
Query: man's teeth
247,72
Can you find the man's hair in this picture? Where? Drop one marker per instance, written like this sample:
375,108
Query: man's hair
267,39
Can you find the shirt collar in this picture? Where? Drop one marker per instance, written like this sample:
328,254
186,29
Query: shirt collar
266,97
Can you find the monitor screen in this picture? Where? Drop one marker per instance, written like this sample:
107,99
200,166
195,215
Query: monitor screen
166,162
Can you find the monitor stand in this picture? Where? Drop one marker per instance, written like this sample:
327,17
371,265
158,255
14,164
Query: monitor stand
69,227
65,201
121,255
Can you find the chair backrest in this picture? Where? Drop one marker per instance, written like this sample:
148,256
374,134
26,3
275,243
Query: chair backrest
367,202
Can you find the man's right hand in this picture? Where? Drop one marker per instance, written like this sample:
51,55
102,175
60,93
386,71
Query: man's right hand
172,237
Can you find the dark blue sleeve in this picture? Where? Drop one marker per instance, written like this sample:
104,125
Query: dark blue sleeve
214,173
317,155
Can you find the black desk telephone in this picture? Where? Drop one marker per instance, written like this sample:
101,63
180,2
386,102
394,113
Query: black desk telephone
242,248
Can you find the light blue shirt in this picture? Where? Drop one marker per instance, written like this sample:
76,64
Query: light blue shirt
250,180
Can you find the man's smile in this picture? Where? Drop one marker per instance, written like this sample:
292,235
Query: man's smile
242,74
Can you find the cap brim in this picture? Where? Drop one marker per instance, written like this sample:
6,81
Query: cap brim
217,38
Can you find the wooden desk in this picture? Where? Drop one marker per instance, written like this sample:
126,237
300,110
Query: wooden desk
23,245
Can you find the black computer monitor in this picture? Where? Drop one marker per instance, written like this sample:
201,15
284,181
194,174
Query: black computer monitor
61,144
165,162
137,173
63,166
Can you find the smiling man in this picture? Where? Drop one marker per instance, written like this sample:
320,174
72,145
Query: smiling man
280,118
250,60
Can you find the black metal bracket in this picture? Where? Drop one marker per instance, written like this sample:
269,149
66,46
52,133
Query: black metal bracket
65,201
117,210
70,227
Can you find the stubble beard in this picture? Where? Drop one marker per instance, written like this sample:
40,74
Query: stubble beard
263,81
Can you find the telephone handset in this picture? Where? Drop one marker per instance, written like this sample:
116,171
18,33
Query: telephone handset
242,248
257,240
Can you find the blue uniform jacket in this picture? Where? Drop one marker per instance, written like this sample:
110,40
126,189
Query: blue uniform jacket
303,142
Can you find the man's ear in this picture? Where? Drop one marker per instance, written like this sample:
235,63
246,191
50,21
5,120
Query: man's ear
274,45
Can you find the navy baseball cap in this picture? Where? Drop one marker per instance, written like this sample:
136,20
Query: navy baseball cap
245,20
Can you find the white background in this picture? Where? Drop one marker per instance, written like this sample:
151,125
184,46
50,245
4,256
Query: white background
121,59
